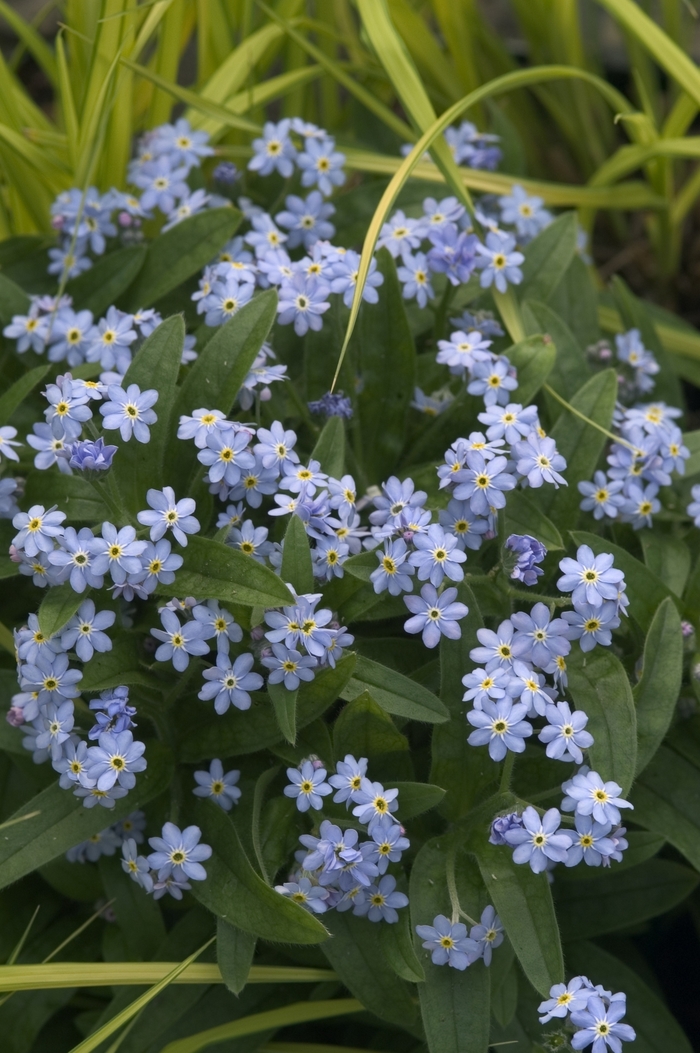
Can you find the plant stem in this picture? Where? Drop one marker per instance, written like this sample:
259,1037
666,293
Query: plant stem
507,772
457,911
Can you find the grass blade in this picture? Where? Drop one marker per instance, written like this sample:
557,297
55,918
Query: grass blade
41,977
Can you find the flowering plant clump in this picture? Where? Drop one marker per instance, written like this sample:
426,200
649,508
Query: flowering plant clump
428,602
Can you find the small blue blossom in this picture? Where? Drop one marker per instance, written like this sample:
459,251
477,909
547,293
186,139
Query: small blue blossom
564,734
497,647
118,552
483,483
483,686
328,558
111,340
161,184
437,555
529,552
435,615
169,514
218,624
225,300
587,794
308,786
487,934
493,379
564,999
592,625
250,540
400,234
499,262
68,408
201,424
390,842
37,529
529,687
50,449
136,866
537,841
51,679
538,638
306,219
179,854
288,666
92,796
275,447
179,641
76,557
591,579
448,943
459,520
501,825
333,405
275,151
302,300
65,262
438,213
226,455
115,759
181,143
501,725
348,779
72,766
112,712
394,571
29,330
230,683
538,460
130,411
415,275
600,1026
693,509
226,173
382,901
55,724
321,165
344,272
453,253
590,842
641,503
220,787
524,211
188,206
510,422
158,565
374,804
602,496
85,632
312,897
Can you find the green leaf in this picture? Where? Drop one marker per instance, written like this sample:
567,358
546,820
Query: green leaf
394,693
397,944
580,444
212,570
504,985
16,394
236,733
180,252
534,360
330,448
97,289
63,822
524,902
547,258
57,607
234,954
645,590
454,1005
668,558
455,764
297,569
691,439
593,908
13,300
523,516
74,495
386,364
599,686
657,692
139,917
233,891
284,703
365,729
657,1030
570,370
121,665
575,301
417,797
356,954
667,801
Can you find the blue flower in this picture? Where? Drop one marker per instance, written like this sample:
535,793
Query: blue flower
564,999
499,262
218,624
65,262
538,638
136,866
250,540
529,552
275,151
55,725
306,219
483,686
76,557
592,625
501,725
188,206
397,497
158,565
51,450
173,886
181,143
7,434
302,300
344,273
226,173
488,934
511,422
308,786
587,794
226,298
497,647
111,340
118,552
162,184
332,405
348,778
220,787
179,641
481,320
89,455
178,854
229,684
435,615
112,712
92,796
453,253
51,678
275,447
438,213
415,274
537,841
394,571
461,522
524,211
448,943
693,509
501,825
494,379
640,504
382,900
600,1026
538,460
201,424
84,631
374,804
602,496
312,897
287,666
29,330
68,408
591,842
105,843
321,165
390,842
437,556
73,766
590,579
115,759
564,734
169,514
332,851
483,483
400,234
130,411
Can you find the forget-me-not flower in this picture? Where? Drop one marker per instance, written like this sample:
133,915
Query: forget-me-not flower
179,641
179,853
219,786
565,733
537,841
308,786
85,631
169,514
435,615
229,684
130,411
448,943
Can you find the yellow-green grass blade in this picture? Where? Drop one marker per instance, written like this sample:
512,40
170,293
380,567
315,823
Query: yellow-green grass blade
679,66
93,125
107,1030
408,86
67,102
297,1013
629,158
424,48
192,99
238,67
260,94
41,977
44,163
166,61
681,116
678,341
32,40
498,86
685,199
367,98
633,195
19,819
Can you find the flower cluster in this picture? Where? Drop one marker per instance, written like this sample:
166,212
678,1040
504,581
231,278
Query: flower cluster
106,842
337,870
176,860
451,943
593,1015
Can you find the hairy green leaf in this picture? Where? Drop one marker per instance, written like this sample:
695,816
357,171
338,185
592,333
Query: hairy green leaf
297,568
394,692
656,693
534,360
100,287
547,258
213,570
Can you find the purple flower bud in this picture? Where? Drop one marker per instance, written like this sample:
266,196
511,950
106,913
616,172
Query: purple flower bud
257,633
89,455
15,716
15,554
687,629
332,405
124,219
529,551
226,173
501,825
